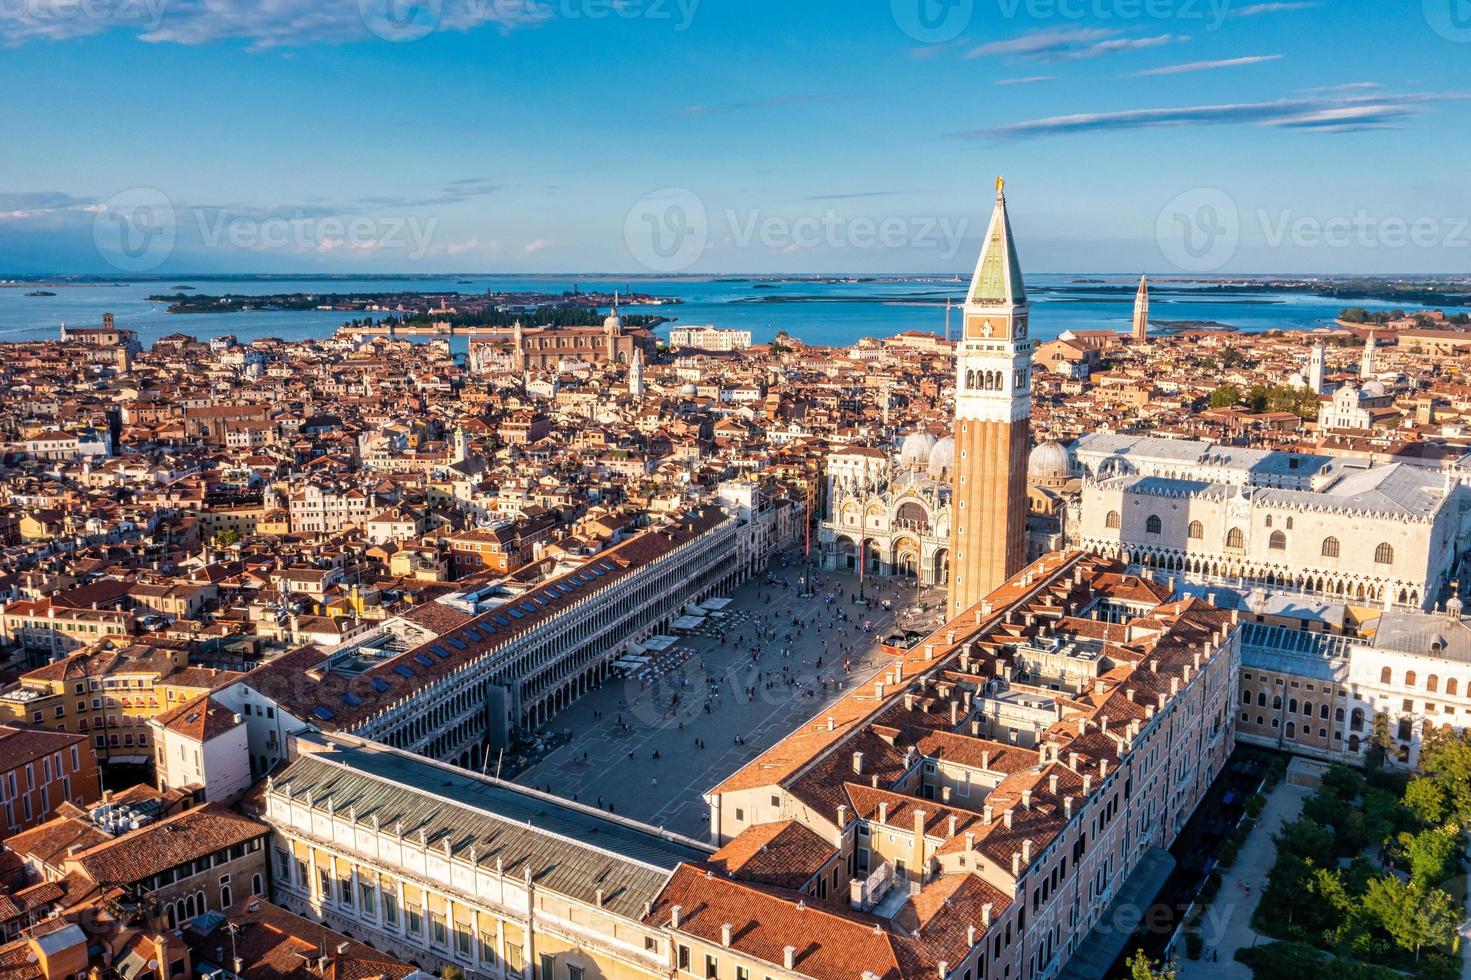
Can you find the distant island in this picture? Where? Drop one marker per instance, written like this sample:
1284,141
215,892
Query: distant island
481,307
40,292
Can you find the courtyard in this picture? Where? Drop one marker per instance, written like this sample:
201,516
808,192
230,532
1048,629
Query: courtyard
649,750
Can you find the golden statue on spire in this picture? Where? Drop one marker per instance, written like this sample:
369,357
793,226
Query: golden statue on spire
1000,186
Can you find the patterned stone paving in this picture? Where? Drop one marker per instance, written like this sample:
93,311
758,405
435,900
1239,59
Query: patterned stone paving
615,767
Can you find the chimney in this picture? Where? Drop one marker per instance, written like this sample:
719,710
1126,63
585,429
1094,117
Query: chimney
1072,760
884,812
954,712
951,826
676,916
985,758
1006,819
919,819
987,813
858,763
1067,807
1016,864
832,723
986,915
878,690
1052,784
725,934
1102,768
970,841
908,702
1027,850
970,935
789,957
1087,784
599,897
842,815
944,969
1026,799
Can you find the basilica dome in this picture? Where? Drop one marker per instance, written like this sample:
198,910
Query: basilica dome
1050,461
942,458
915,451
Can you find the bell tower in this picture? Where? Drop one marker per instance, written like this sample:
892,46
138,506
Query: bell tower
993,409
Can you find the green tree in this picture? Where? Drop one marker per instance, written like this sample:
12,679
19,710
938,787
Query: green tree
452,972
1446,758
1413,917
227,538
1426,801
1225,396
1433,854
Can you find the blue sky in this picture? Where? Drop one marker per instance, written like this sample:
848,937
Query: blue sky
513,136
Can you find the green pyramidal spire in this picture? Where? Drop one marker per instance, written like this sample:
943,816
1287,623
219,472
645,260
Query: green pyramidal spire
998,278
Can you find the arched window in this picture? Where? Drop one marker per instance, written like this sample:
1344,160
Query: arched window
1432,683
225,897
1291,729
1409,678
1154,525
1384,554
1337,714
1261,699
1278,541
1277,703
1307,708
1235,539
970,380
1269,520
1112,520
1323,713
1330,547
257,887
1356,720
1246,697
1197,530
1451,686
1292,705
1384,676
1353,743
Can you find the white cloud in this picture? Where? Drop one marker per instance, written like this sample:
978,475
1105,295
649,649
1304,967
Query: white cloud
261,23
541,244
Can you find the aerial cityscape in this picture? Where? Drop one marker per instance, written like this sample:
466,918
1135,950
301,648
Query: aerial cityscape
990,500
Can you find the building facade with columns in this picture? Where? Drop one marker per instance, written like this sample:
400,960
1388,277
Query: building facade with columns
896,509
522,348
1385,536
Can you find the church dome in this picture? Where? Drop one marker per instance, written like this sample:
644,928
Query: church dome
1375,389
942,458
689,390
613,322
916,449
1050,461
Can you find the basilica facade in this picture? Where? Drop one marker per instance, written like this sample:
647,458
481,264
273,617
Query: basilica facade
895,510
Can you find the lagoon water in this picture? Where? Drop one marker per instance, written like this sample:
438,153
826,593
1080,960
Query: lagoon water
830,311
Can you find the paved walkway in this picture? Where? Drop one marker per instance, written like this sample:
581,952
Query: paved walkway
606,765
1226,925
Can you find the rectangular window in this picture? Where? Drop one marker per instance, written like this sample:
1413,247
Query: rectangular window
390,907
712,967
416,921
368,899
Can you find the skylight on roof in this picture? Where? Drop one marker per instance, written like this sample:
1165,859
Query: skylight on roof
351,699
422,660
380,685
403,671
516,613
472,634
455,642
323,714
